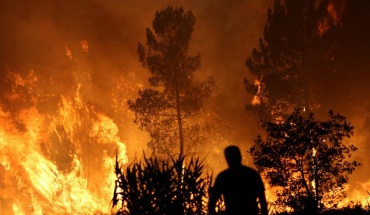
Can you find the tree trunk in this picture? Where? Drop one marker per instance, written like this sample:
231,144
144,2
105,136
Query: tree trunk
179,119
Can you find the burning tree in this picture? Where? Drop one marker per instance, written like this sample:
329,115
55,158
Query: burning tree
286,59
307,159
173,98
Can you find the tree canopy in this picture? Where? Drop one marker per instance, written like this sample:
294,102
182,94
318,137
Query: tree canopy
307,159
285,59
173,98
313,55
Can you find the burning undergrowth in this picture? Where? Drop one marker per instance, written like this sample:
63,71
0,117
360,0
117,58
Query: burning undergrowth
55,163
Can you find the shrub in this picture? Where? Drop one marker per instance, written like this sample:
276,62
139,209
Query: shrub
161,186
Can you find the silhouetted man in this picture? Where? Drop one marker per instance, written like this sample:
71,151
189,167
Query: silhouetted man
241,186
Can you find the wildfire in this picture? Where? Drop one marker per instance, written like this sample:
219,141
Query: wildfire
335,11
48,166
256,100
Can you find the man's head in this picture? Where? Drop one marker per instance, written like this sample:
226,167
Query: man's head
233,156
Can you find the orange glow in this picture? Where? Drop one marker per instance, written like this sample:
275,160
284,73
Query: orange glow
333,13
69,69
34,183
256,100
84,45
335,10
68,53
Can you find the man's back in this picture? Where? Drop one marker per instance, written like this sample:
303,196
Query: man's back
241,186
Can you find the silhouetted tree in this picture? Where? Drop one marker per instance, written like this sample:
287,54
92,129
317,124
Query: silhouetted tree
306,159
286,58
173,97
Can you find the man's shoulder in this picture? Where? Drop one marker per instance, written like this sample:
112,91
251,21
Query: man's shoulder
222,173
242,168
249,169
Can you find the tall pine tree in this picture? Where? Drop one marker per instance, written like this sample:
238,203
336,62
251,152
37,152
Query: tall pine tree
286,59
173,98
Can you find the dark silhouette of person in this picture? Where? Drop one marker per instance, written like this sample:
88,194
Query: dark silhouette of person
241,187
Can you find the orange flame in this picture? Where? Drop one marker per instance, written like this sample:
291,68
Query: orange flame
32,182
